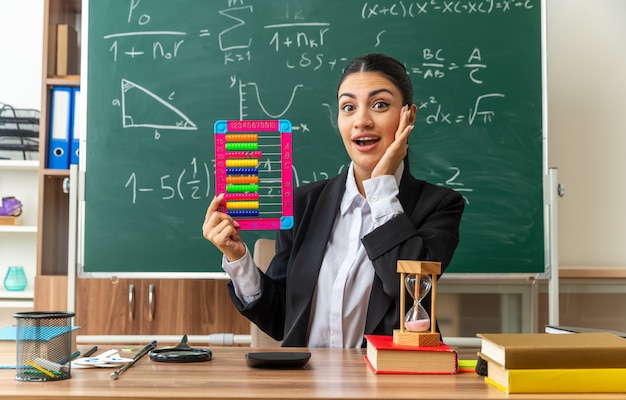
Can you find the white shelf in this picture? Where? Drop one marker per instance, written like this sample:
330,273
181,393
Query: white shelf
17,165
18,243
26,294
27,304
17,299
18,229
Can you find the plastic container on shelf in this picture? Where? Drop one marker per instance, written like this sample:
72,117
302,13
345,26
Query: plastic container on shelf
19,133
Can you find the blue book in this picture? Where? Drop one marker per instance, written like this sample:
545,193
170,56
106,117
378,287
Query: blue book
48,336
43,333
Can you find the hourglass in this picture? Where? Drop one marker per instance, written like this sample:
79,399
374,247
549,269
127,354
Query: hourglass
416,327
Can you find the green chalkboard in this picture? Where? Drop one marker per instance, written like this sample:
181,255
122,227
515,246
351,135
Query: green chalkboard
161,72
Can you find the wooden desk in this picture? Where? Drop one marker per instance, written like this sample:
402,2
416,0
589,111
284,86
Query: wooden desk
329,374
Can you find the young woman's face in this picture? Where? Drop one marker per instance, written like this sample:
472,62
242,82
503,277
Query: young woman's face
369,115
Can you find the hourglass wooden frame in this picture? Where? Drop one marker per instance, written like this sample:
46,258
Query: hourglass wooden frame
402,336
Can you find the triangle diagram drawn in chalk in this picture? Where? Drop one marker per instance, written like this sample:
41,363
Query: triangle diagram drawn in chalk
142,108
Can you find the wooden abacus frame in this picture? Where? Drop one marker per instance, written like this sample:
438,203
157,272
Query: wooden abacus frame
402,336
237,174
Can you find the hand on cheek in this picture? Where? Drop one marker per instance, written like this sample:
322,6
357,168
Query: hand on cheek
397,150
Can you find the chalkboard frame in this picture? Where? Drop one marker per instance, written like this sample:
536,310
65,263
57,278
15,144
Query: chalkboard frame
84,271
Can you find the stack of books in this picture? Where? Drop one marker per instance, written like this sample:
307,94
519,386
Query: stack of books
548,363
383,356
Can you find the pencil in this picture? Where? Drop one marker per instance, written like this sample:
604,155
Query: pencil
141,353
70,358
90,351
40,369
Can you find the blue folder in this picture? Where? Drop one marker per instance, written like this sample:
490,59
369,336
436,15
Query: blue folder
60,128
75,131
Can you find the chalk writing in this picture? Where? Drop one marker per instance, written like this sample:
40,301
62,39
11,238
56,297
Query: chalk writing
300,38
453,183
243,94
435,65
187,184
192,185
437,114
413,9
238,23
171,117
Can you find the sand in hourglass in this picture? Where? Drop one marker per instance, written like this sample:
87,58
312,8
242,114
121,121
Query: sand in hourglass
420,325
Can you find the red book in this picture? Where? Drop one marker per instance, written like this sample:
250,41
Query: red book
383,356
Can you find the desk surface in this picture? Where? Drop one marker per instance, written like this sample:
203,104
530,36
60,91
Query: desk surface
330,373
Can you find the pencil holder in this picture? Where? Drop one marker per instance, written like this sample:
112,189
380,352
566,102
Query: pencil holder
44,346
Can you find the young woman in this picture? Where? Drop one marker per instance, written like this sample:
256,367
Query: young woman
333,278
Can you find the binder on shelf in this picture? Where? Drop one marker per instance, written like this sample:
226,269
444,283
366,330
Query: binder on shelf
60,128
75,132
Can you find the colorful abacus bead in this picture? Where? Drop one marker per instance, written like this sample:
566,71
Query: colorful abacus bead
242,179
242,205
242,163
243,213
233,188
241,146
242,137
241,196
242,171
243,154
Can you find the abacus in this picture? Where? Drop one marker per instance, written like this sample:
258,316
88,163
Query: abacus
253,169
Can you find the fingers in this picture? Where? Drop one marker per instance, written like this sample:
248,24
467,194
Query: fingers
406,123
218,226
222,230
397,150
210,217
213,206
405,127
224,235
402,137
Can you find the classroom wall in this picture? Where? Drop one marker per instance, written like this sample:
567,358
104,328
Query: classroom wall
21,41
587,128
586,99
